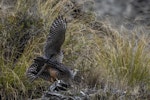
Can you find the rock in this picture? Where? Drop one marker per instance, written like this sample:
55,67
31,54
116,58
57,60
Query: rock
61,91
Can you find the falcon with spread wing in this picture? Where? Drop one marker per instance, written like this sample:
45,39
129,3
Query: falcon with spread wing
50,67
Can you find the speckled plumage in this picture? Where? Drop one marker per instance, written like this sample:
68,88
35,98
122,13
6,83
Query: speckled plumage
53,56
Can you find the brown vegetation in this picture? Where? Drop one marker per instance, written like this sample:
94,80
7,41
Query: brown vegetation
116,63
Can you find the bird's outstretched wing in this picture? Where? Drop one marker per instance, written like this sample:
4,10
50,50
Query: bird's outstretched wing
35,68
55,38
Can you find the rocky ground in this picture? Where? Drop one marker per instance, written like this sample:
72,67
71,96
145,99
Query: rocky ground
129,12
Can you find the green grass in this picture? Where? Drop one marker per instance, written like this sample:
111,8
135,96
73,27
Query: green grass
105,57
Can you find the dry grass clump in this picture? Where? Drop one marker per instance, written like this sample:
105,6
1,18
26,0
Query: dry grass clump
23,31
107,59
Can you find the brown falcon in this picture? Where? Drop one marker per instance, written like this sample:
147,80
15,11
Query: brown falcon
50,67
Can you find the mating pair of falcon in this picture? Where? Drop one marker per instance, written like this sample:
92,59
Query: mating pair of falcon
49,67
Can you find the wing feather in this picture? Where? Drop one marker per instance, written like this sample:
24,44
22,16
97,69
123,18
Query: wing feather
55,38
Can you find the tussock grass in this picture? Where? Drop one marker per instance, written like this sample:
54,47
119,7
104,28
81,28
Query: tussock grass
108,59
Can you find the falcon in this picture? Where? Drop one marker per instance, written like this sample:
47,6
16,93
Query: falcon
49,67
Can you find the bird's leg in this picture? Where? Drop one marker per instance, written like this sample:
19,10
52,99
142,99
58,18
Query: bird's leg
39,73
